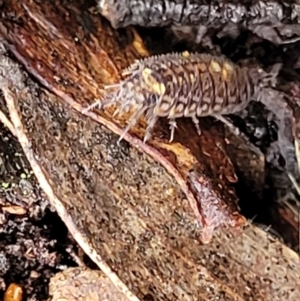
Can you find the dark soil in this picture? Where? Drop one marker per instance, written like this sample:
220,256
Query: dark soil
33,246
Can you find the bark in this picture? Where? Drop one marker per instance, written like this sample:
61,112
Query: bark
276,21
131,207
74,62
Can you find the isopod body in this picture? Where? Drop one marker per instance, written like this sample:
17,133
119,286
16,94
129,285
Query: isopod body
184,85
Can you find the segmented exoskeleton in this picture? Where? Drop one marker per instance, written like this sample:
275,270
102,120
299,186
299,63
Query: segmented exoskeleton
185,85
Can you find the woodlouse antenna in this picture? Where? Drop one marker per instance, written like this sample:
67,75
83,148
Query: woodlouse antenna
100,103
92,106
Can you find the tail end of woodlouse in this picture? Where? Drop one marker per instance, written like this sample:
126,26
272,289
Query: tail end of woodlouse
267,79
273,74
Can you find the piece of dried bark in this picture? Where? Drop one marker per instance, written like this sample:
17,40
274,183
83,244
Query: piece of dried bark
165,12
276,21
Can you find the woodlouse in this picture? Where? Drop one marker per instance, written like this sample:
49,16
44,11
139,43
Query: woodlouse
185,85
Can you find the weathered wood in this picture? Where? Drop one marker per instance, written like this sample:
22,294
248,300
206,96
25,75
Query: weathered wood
127,207
74,62
276,21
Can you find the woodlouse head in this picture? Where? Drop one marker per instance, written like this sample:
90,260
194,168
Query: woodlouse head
143,89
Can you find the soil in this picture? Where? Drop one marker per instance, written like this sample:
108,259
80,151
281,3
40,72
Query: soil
34,244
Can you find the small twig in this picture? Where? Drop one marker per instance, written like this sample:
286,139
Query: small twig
3,118
56,202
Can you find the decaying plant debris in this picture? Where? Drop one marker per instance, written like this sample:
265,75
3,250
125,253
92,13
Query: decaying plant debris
139,210
276,21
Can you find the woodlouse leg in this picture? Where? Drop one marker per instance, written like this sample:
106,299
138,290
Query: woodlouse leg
101,103
98,102
132,121
196,123
173,126
202,30
124,108
149,129
112,86
233,128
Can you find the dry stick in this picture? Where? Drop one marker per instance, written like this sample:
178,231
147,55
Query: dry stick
81,240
